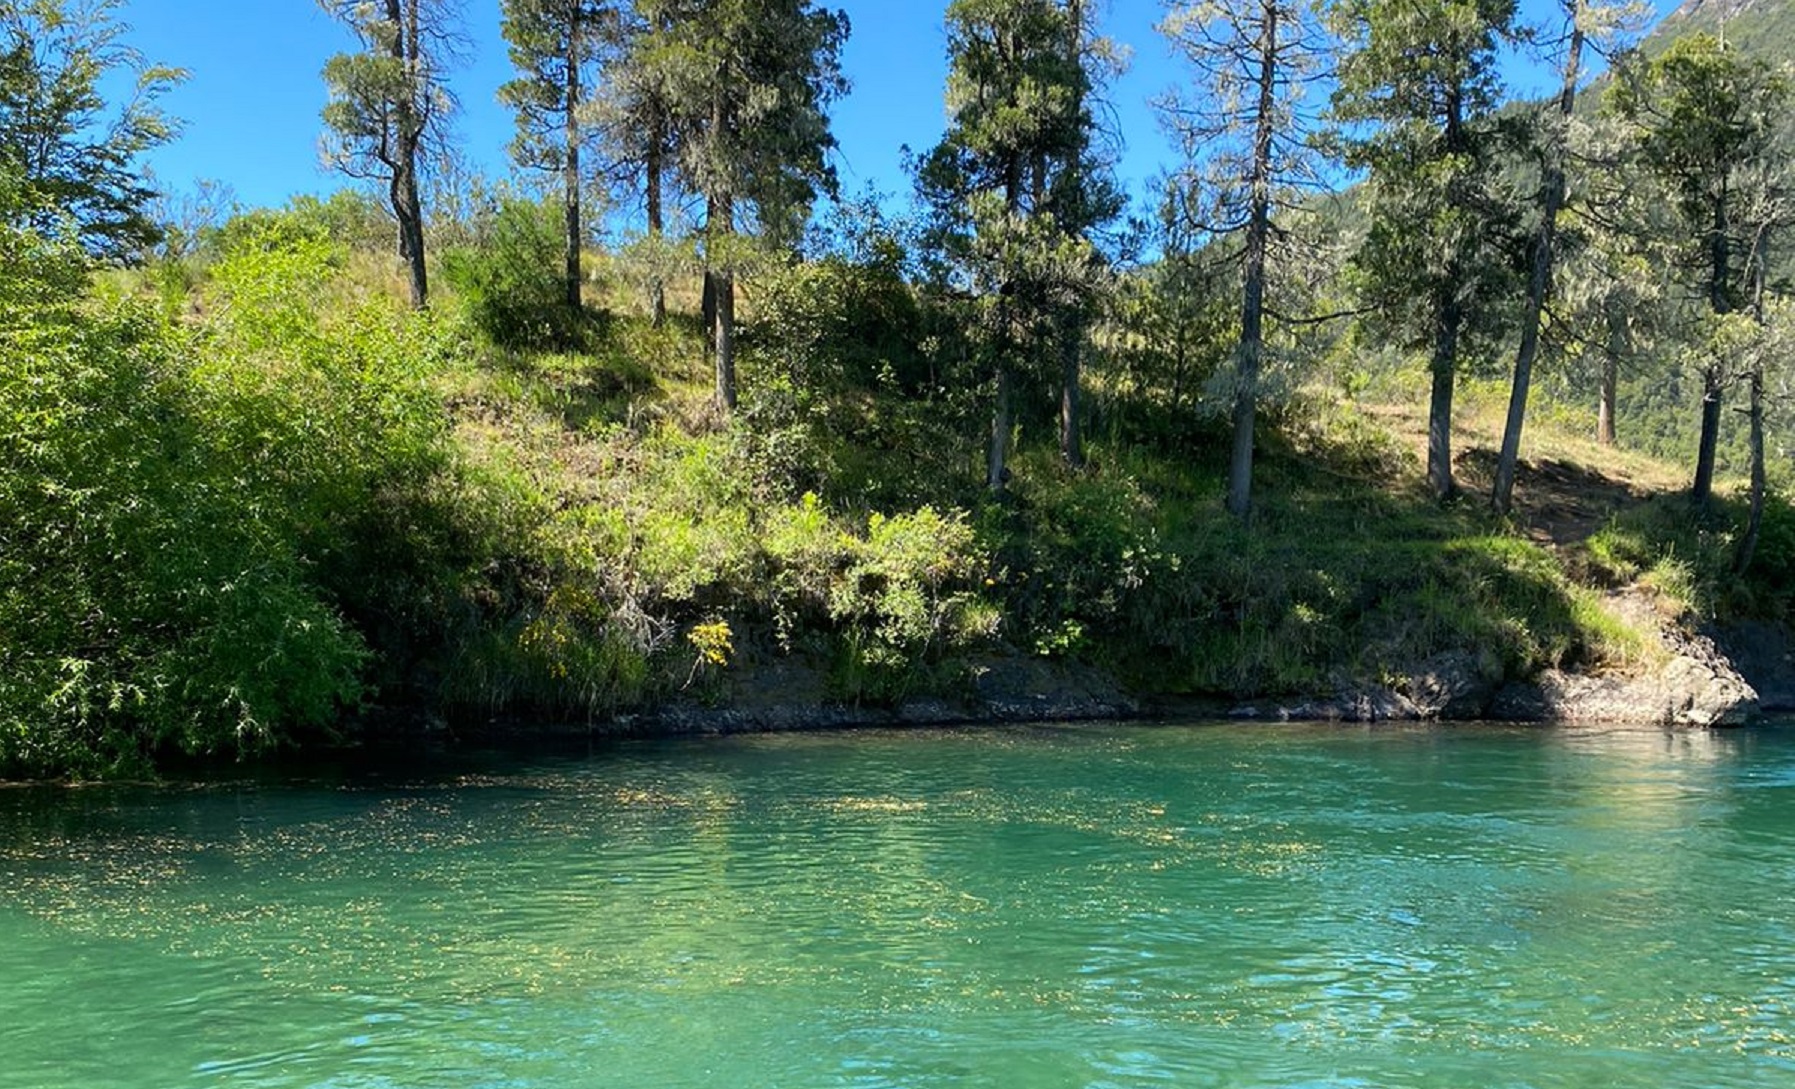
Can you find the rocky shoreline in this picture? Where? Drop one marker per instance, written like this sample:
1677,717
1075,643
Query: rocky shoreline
1694,680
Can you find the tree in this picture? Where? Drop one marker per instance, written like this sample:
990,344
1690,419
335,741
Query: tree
1013,190
555,45
749,82
389,108
1082,196
1703,118
1248,125
1423,76
634,113
65,152
1551,201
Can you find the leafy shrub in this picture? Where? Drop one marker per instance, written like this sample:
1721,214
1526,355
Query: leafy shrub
148,593
899,596
512,284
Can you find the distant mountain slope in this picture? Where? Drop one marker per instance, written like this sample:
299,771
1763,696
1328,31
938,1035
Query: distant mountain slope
1765,28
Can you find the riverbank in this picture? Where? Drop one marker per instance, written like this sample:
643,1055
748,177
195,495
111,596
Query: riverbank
267,508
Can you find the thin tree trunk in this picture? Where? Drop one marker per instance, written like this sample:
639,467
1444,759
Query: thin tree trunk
1701,493
1252,310
1540,282
1448,317
570,181
407,134
1439,415
654,168
1605,411
1071,353
1703,490
724,282
1754,522
719,283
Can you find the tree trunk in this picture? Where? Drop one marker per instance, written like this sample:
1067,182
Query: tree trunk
570,181
1703,490
1754,522
1701,493
719,282
1071,360
408,132
1252,310
724,286
1444,366
997,467
719,225
1540,281
1605,411
654,168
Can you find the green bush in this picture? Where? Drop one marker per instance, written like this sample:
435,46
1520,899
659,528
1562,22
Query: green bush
148,593
898,597
512,283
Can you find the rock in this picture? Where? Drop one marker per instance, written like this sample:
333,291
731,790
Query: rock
1454,685
1762,654
1357,703
1690,690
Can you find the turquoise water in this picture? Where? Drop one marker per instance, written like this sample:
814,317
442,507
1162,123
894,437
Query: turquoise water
1073,906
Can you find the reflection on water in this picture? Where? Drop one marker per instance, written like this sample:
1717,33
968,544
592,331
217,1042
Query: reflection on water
1029,907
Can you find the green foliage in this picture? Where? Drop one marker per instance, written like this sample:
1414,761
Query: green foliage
66,154
899,596
149,595
510,282
1687,557
746,85
1441,231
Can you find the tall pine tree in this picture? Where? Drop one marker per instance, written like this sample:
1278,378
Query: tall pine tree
555,46
1418,92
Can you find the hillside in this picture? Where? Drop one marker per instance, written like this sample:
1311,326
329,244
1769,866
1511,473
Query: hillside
1764,28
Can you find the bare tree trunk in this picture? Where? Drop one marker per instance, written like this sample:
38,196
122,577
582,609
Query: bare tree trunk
1540,282
1702,492
997,468
654,168
724,335
1252,310
570,181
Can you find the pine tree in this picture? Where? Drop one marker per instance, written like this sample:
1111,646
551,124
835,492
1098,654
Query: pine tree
1014,190
1245,128
389,108
555,46
1703,120
749,85
1423,78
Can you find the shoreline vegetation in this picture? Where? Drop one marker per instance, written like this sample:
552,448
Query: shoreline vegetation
257,497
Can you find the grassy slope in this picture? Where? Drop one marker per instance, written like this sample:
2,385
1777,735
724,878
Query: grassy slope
1348,572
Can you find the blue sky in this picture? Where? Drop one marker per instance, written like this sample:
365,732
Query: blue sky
251,105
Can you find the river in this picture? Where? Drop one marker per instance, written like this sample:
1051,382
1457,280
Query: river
1091,906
